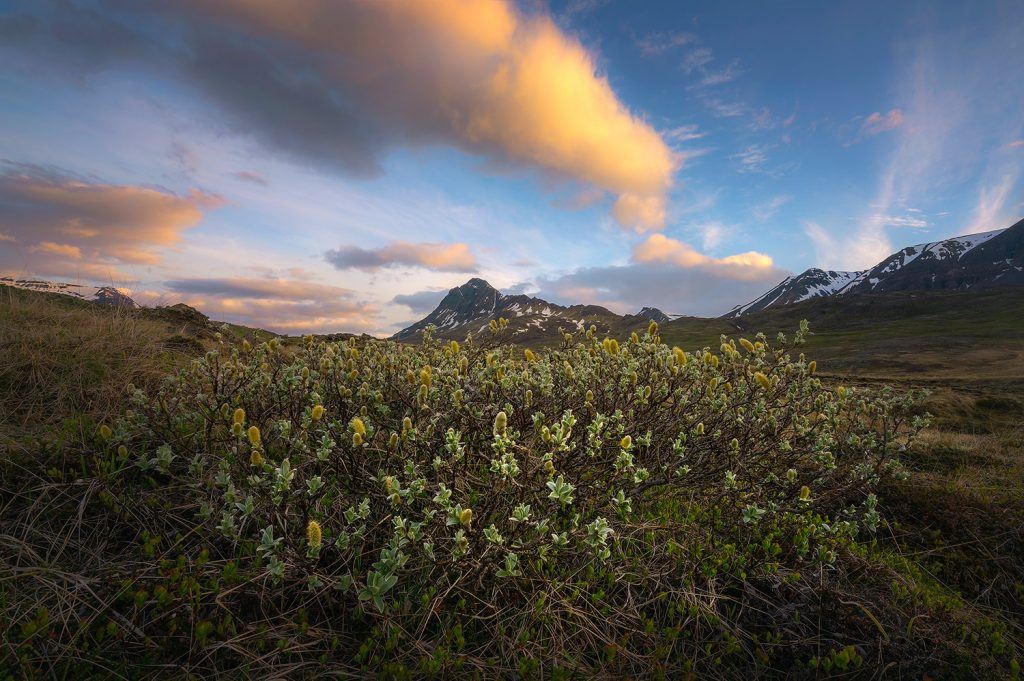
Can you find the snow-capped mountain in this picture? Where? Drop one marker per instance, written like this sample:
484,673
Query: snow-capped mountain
973,261
106,295
652,314
813,283
470,307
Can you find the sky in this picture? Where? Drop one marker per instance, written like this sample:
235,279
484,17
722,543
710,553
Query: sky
324,166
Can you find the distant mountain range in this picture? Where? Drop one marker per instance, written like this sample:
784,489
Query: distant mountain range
106,295
974,261
470,307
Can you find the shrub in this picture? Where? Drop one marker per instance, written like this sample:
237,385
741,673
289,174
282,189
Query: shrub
603,508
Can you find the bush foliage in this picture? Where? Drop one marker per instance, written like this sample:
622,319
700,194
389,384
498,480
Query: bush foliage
606,508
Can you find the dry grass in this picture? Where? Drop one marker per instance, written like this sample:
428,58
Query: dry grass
64,360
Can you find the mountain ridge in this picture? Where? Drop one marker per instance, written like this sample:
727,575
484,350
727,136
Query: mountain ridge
977,261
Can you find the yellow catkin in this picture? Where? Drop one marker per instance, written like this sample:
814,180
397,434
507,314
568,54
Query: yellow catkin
393,441
254,435
122,451
633,337
747,345
255,458
841,391
528,354
680,356
239,415
105,432
317,413
406,424
358,426
626,442
314,534
652,329
805,493
454,347
466,516
357,440
500,423
425,376
763,380
812,367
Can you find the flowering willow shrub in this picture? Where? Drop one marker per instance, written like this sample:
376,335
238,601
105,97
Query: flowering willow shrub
501,503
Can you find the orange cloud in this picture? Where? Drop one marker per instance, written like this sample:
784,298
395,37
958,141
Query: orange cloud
66,250
67,225
278,304
434,256
481,75
660,249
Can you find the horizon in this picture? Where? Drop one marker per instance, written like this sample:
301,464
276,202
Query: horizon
307,176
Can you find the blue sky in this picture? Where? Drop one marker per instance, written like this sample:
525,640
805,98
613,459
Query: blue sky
312,178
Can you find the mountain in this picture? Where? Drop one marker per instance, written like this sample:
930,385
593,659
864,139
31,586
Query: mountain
106,295
470,307
974,261
652,314
813,283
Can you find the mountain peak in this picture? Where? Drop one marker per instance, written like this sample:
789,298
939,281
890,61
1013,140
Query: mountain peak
653,314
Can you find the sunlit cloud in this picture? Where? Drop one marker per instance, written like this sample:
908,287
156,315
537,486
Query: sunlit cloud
91,227
658,248
439,257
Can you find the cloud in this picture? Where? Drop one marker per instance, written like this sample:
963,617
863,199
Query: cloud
858,250
752,159
914,220
277,304
658,43
439,257
660,249
878,122
766,211
683,133
63,225
726,75
421,302
701,289
988,212
338,84
250,177
722,109
1015,144
697,59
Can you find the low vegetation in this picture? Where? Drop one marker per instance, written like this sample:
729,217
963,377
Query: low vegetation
612,507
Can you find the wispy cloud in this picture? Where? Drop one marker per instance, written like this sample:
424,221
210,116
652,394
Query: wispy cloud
696,59
852,250
752,159
875,124
766,210
989,212
659,43
720,76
